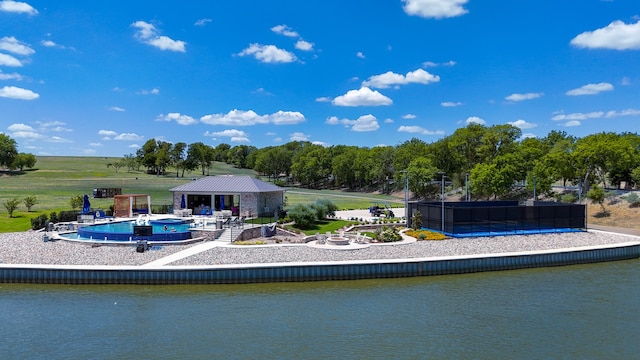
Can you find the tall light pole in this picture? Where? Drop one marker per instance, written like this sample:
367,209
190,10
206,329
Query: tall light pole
466,185
406,198
442,215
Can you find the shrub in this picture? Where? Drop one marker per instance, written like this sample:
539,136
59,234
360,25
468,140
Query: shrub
39,222
324,208
76,202
416,220
29,201
632,198
568,198
53,217
388,234
303,215
425,235
65,216
11,205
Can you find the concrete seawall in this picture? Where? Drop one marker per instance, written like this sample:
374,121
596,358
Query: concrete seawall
313,271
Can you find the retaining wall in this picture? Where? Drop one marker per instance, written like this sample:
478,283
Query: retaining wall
281,272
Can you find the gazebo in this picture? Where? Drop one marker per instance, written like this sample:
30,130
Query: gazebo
130,205
236,195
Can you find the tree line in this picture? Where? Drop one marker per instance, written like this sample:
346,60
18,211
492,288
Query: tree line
495,161
10,158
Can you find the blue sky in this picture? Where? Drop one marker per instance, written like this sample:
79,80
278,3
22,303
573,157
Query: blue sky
100,78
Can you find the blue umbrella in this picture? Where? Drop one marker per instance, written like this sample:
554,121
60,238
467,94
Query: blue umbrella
86,205
182,203
221,202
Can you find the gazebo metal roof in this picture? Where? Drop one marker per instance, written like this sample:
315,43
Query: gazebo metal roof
227,184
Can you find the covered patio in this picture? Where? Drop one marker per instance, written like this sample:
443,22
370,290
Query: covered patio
227,195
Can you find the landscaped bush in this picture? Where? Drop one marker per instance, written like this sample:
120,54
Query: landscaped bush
416,220
303,215
388,234
633,199
568,198
39,222
425,235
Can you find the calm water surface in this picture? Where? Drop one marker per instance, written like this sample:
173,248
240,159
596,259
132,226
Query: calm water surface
573,312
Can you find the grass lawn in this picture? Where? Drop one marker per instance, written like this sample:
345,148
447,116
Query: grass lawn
56,179
325,226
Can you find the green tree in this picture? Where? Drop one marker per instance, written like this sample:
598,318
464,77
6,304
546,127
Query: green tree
177,156
421,174
29,202
8,151
76,202
117,165
24,160
11,205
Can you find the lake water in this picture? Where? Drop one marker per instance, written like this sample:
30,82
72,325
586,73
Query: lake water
572,312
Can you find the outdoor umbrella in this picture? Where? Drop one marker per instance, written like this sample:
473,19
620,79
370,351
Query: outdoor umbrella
86,205
182,203
221,202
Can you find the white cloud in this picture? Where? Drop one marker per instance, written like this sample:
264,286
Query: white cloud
627,112
363,123
13,45
616,36
246,118
24,131
233,135
17,7
166,43
284,30
578,116
108,133
323,99
390,78
12,76
428,64
520,97
116,108
128,137
96,144
299,136
53,126
13,92
360,55
522,124
8,60
154,91
277,140
362,97
451,103
180,119
419,130
304,45
58,139
571,123
388,121
48,43
269,54
408,116
475,120
596,115
148,34
436,9
202,22
20,127
134,146
528,135
590,89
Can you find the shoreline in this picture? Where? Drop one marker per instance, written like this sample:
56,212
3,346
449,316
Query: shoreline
25,257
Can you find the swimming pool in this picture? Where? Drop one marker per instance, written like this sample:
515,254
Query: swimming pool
163,230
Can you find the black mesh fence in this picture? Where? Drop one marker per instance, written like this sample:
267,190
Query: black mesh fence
490,218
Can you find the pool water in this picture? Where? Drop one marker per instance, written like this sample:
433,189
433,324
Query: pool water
163,230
